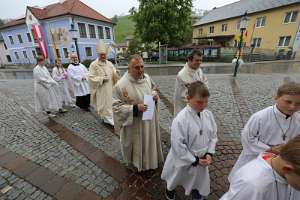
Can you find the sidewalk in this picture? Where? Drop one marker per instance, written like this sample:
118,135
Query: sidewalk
83,157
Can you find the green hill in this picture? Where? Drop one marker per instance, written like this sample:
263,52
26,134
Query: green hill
124,27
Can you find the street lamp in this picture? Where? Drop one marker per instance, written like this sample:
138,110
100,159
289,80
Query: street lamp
74,33
243,25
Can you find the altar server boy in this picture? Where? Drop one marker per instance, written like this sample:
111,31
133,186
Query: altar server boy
193,143
269,176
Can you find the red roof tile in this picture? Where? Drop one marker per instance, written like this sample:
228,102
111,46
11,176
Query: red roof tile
13,23
68,7
74,7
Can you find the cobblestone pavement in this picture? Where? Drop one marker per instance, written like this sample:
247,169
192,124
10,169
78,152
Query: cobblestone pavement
232,102
18,189
23,134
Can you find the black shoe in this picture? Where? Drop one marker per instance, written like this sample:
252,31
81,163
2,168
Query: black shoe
170,195
196,195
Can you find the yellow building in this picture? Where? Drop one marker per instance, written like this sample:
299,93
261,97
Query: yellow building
273,25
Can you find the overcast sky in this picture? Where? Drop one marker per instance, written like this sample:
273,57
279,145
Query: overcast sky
109,8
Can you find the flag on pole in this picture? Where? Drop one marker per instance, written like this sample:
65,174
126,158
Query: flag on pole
39,35
33,24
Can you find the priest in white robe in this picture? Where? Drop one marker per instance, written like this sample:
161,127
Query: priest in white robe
271,127
102,78
191,72
46,92
79,75
193,143
60,75
140,139
269,176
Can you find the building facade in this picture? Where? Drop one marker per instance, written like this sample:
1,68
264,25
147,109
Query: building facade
4,53
56,21
273,25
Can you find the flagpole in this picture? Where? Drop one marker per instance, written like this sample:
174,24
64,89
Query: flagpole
53,44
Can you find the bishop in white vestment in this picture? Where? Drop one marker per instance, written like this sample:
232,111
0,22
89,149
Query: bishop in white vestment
102,78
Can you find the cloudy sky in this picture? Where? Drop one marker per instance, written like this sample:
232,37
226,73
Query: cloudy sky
109,8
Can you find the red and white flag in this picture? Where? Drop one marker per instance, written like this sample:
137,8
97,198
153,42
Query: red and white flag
33,24
39,35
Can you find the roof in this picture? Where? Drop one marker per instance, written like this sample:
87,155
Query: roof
239,8
14,23
68,7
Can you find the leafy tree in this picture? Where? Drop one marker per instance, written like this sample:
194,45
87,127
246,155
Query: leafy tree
165,21
115,19
135,46
2,22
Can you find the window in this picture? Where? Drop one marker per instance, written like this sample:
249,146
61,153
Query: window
284,41
92,31
260,22
57,53
100,32
34,53
29,37
66,53
238,26
107,31
290,17
8,58
4,45
11,40
224,27
200,31
88,51
82,30
17,55
256,42
211,29
25,54
38,51
20,39
34,39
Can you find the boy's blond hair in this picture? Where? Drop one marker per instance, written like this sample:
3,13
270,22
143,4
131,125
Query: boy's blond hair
288,88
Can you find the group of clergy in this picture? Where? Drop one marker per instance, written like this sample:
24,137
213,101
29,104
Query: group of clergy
268,167
120,102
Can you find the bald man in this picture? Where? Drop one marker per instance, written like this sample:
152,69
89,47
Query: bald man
140,139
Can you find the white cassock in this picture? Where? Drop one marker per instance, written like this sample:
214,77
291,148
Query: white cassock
59,75
185,77
256,181
140,140
75,73
101,91
264,128
46,92
191,136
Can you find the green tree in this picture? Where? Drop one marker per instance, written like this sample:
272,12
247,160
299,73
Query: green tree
165,21
134,47
115,19
1,22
